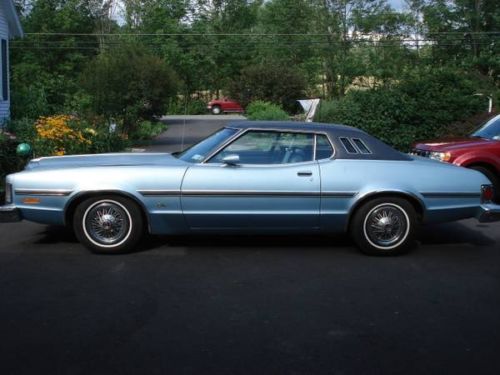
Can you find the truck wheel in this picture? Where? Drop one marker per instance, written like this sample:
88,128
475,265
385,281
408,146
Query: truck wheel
384,226
108,224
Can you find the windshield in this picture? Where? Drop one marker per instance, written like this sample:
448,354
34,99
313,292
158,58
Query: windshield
198,152
490,130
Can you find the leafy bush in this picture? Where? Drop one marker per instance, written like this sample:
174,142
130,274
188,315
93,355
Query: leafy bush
24,129
260,110
419,107
67,134
129,84
9,161
192,107
147,130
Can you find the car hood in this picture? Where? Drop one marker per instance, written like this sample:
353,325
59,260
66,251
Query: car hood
450,144
117,159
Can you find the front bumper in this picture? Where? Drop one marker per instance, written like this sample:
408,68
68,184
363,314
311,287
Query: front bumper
488,213
10,214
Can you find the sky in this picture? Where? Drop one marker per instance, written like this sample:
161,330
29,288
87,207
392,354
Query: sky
396,4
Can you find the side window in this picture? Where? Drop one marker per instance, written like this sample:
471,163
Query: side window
362,147
324,149
269,147
348,145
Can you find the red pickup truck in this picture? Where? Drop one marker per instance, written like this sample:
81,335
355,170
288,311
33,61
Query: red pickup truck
479,151
218,106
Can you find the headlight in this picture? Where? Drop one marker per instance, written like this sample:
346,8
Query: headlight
8,193
440,156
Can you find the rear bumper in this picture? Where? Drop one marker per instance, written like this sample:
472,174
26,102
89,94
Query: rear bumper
10,214
488,213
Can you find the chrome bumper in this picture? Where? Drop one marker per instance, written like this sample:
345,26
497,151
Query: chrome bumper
488,213
9,214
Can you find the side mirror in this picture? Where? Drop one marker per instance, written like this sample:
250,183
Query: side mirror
232,159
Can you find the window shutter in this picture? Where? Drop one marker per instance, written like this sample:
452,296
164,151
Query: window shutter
5,76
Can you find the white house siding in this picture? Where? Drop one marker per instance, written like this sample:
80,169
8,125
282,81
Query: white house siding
4,34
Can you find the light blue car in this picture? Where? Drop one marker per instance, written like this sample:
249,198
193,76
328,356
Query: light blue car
251,177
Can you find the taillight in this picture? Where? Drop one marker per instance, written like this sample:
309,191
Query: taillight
487,193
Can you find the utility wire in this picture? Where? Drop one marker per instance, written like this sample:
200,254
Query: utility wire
247,34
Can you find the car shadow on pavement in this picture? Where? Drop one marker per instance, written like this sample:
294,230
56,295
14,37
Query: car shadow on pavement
453,233
435,234
56,234
210,241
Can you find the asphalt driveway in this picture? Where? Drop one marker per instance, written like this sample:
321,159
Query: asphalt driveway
249,305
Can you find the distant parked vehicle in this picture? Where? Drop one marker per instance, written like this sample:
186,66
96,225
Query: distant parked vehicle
218,106
479,151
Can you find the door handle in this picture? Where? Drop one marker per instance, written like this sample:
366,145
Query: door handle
304,173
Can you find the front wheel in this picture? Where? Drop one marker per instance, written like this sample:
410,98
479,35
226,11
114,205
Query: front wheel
384,226
216,110
108,224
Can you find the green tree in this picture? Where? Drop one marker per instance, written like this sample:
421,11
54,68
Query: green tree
269,81
45,67
127,84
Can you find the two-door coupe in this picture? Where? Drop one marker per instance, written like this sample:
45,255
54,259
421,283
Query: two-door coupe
251,177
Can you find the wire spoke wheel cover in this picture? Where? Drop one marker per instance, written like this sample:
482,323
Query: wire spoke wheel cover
386,226
107,223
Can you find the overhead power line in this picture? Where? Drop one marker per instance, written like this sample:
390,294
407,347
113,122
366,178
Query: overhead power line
252,34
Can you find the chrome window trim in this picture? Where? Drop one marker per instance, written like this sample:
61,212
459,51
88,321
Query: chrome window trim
242,132
315,145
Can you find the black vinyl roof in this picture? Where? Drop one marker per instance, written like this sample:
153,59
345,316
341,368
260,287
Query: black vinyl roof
379,150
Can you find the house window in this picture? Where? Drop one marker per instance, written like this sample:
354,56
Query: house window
5,77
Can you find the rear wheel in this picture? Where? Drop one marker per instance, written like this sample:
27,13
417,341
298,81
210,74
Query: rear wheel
108,224
384,226
495,180
216,110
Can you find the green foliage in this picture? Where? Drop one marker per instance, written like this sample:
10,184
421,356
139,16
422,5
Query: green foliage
191,107
147,130
9,161
23,128
260,110
419,107
269,81
45,68
272,50
63,134
128,84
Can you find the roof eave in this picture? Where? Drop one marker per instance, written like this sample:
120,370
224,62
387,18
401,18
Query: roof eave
15,28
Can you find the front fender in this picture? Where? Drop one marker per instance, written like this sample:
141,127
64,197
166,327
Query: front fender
483,158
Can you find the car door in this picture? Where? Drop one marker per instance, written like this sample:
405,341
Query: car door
263,180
